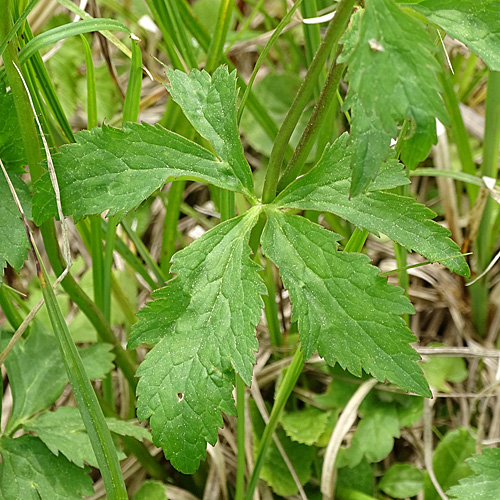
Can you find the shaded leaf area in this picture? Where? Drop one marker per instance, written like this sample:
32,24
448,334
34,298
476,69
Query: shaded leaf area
117,169
344,310
275,470
13,239
30,470
11,142
204,322
476,23
449,463
392,77
485,483
63,431
37,375
402,481
209,103
440,372
326,188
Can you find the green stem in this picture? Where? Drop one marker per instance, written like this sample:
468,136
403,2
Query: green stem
11,313
321,110
292,375
332,37
240,438
218,39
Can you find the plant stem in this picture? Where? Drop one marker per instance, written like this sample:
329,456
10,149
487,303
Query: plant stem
332,37
219,37
292,374
321,110
240,438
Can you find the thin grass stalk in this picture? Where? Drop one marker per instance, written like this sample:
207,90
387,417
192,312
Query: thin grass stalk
332,37
485,239
219,37
90,410
11,313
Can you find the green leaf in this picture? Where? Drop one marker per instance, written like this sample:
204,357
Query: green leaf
274,470
151,490
13,240
441,370
204,322
116,169
11,142
326,188
485,484
36,374
402,481
209,103
97,360
29,470
392,75
449,461
476,23
374,436
63,431
305,426
343,308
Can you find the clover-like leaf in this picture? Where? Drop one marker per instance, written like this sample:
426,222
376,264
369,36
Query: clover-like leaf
30,470
476,23
116,169
344,310
392,77
209,103
204,322
326,188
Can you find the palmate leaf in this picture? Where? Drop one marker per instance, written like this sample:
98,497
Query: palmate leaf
209,103
326,188
204,322
343,308
30,470
485,484
476,23
116,169
392,77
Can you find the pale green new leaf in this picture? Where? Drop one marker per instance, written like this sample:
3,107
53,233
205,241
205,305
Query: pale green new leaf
204,322
209,103
344,310
402,481
29,470
392,75
326,188
63,431
476,23
117,169
485,484
13,240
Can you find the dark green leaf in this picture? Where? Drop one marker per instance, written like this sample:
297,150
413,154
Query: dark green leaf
343,308
485,484
30,471
392,75
476,23
209,103
116,169
204,321
326,188
13,239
